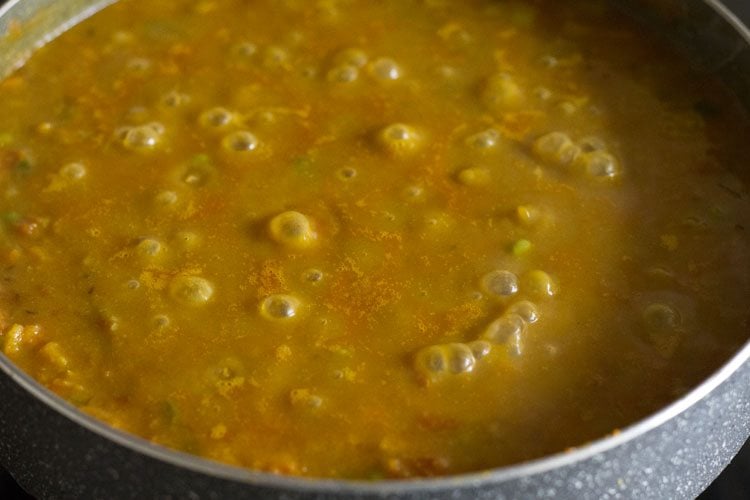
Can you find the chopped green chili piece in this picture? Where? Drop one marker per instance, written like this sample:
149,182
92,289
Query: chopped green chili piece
11,217
200,160
23,166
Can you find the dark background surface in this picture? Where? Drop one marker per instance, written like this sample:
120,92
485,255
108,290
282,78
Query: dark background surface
733,484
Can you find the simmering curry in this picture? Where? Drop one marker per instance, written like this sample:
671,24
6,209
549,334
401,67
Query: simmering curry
355,239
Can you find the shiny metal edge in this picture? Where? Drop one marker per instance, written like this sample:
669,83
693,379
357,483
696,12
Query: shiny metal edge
731,18
380,487
25,12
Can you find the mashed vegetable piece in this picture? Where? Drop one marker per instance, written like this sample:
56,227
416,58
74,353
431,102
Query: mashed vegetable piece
353,239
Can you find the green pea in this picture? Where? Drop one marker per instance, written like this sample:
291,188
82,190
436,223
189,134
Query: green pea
521,247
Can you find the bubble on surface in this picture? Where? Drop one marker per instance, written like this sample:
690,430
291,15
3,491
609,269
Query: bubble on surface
543,93
175,99
305,399
480,348
73,171
592,143
245,49
148,247
500,283
413,193
526,310
166,198
343,73
556,149
240,141
292,229
275,57
431,361
504,328
195,176
460,358
660,317
141,137
346,173
599,165
138,65
191,290
352,56
385,69
501,92
548,61
399,139
280,307
160,321
187,240
487,139
217,117
313,276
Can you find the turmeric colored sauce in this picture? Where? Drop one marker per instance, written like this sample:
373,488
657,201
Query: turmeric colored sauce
353,239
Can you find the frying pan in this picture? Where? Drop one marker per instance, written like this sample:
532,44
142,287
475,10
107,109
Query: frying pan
55,451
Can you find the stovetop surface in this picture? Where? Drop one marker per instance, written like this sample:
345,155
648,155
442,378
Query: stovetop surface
732,484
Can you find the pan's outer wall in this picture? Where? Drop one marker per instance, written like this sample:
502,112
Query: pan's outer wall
55,457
